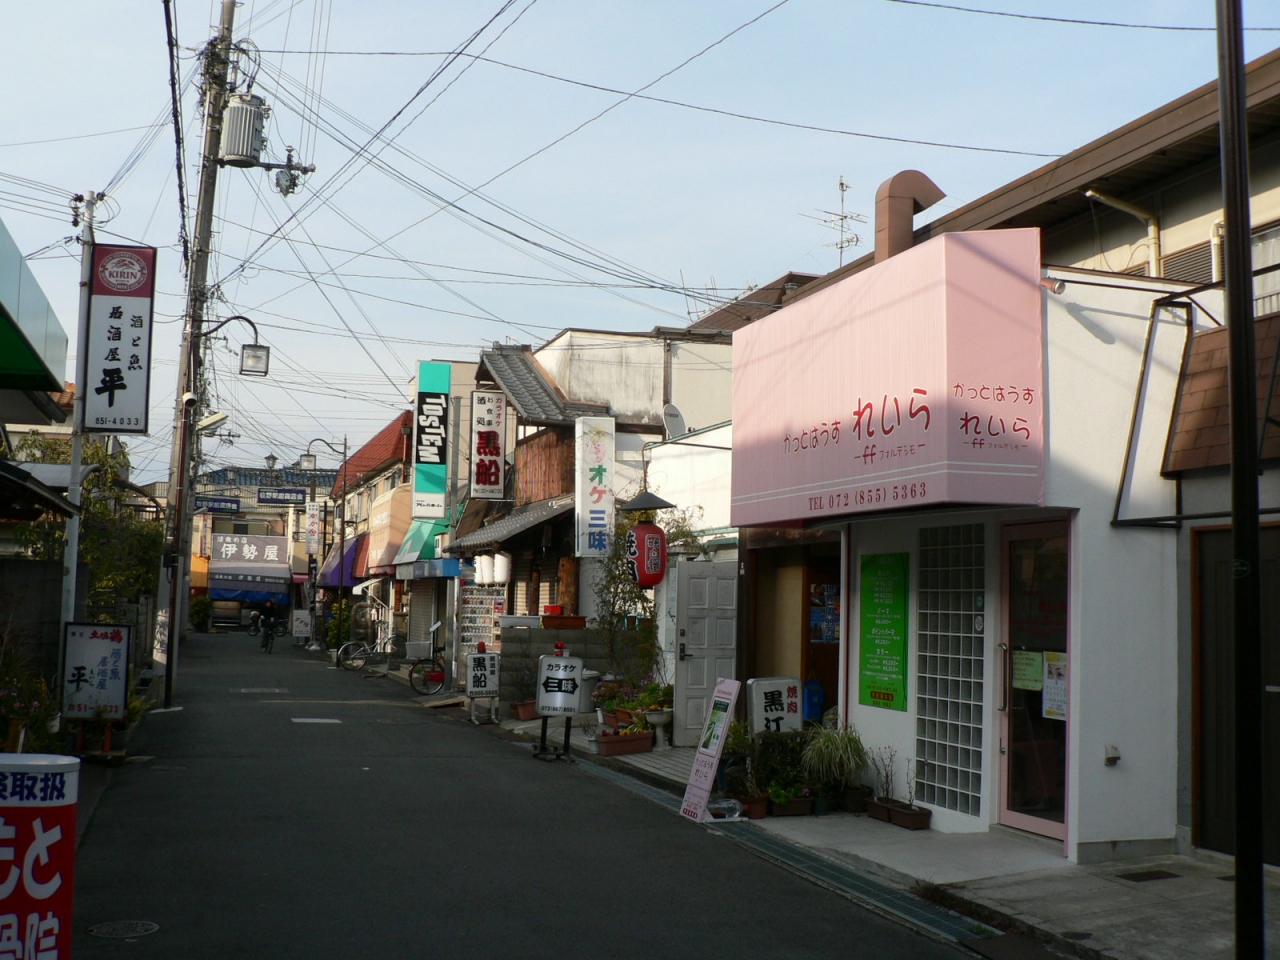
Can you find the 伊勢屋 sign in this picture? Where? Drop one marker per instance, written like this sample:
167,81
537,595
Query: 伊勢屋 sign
115,354
431,441
488,444
594,468
95,680
882,639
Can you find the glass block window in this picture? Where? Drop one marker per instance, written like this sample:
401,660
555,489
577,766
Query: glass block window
949,667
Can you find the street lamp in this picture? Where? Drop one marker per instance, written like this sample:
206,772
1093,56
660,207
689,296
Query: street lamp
272,460
307,463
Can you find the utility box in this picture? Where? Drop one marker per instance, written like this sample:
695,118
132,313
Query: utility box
242,125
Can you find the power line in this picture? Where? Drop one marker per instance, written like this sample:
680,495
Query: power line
1088,23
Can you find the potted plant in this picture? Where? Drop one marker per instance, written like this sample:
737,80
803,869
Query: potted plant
614,743
789,798
882,762
908,814
835,759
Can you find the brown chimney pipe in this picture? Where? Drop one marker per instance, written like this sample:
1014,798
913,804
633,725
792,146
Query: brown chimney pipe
899,199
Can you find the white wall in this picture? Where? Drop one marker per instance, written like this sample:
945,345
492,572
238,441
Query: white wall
689,474
702,382
625,372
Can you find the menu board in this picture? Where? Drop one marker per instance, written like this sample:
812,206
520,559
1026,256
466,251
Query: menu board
882,645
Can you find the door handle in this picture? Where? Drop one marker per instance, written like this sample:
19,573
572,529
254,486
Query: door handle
1004,677
682,653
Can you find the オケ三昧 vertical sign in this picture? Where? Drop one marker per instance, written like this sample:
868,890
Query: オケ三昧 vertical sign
115,356
882,639
431,441
594,469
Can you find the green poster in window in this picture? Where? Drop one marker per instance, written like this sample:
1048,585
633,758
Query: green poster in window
882,639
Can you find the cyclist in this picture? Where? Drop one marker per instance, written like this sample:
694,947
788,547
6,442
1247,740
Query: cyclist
268,618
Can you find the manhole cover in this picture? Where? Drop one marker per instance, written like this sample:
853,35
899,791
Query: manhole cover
1142,876
124,929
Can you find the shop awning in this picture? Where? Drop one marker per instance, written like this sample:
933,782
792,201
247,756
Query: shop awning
517,521
419,542
330,575
430,569
389,519
246,581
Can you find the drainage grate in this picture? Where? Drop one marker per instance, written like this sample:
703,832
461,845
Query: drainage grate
1142,876
123,929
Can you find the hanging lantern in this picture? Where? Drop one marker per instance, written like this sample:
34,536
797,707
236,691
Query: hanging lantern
646,549
501,567
484,569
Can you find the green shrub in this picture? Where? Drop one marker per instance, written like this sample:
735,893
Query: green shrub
199,611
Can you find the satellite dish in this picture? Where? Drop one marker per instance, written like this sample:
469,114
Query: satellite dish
674,420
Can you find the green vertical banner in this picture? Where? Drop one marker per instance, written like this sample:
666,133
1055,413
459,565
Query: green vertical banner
431,441
882,646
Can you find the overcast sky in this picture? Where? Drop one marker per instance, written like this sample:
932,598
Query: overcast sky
508,203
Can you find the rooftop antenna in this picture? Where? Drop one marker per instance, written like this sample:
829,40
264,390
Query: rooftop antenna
839,221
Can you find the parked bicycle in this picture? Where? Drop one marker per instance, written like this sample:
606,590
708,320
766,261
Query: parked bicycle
357,654
427,674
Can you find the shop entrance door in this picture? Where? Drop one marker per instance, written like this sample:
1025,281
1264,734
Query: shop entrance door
1034,678
706,617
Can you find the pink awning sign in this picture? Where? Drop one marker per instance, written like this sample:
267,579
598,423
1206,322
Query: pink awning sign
917,382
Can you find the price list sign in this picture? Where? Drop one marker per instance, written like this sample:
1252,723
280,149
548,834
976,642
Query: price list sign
882,647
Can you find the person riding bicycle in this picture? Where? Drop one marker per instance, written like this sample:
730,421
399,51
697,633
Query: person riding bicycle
268,619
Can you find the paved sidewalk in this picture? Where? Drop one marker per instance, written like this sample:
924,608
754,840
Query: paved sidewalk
1156,908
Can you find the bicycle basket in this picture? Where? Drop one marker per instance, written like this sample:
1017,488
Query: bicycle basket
417,650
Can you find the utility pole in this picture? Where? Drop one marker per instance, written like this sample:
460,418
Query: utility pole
71,550
217,61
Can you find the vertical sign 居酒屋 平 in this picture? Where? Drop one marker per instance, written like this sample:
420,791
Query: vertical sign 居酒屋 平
115,355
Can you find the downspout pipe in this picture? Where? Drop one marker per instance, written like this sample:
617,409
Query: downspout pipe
1147,217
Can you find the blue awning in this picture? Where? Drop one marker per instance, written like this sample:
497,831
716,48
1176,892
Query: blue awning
249,581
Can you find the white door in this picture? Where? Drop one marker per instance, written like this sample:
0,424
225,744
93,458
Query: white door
706,614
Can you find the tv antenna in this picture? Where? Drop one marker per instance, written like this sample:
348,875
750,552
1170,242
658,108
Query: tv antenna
840,221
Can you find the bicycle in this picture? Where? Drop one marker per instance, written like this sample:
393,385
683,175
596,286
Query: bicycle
427,674
268,634
356,654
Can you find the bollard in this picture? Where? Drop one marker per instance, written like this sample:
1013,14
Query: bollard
37,853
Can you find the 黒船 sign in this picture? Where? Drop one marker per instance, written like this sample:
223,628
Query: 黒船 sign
431,440
96,674
115,352
488,444
882,640
774,704
710,746
559,685
482,675
594,468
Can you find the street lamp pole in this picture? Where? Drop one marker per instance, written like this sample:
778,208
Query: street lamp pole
307,462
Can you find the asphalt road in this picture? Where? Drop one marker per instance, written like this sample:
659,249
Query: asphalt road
293,810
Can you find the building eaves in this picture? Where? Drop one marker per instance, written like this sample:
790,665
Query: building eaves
517,521
537,399
758,303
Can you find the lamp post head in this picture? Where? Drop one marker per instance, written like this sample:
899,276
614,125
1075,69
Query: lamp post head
272,460
307,462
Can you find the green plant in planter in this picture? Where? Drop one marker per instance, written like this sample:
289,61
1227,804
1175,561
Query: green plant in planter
883,761
787,790
835,757
199,611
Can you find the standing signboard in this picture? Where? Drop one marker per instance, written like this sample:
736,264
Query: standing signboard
38,813
488,444
882,640
95,681
115,357
774,704
594,467
559,679
431,441
482,675
710,746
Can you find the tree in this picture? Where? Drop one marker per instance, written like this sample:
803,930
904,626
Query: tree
121,552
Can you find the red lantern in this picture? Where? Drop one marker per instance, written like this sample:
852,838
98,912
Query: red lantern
647,553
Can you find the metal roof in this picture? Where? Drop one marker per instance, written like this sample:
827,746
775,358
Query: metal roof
537,399
517,521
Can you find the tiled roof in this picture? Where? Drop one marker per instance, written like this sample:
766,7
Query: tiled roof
521,377
389,445
758,303
1201,434
517,521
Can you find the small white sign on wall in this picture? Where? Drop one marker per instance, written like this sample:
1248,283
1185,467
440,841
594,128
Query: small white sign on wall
774,704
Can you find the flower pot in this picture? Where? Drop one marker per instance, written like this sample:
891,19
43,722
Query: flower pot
622,744
609,719
624,716
526,710
754,808
799,807
913,818
593,745
563,622
878,808
855,799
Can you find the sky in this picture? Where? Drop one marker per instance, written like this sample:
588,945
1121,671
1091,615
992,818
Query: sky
500,170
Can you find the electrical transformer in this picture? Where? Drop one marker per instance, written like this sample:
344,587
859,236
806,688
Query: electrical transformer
242,123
